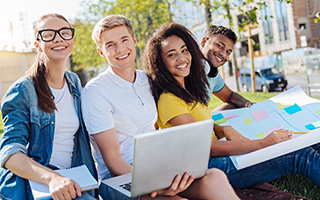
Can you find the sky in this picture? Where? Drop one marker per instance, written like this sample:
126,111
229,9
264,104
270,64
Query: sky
12,11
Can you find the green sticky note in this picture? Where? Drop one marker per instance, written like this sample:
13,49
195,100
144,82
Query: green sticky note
220,121
318,112
247,121
261,135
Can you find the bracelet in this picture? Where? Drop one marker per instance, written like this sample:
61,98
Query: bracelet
248,104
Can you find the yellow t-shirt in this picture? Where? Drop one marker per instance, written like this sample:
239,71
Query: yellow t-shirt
170,106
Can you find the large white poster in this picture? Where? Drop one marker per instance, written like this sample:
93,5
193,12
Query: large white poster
292,110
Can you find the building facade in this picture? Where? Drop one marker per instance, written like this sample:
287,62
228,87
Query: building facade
282,28
13,65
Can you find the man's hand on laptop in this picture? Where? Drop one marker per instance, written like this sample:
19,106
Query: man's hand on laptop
178,185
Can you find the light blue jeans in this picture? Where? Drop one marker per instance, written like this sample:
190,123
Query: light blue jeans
108,193
305,161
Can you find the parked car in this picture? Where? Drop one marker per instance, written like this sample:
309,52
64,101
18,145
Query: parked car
267,79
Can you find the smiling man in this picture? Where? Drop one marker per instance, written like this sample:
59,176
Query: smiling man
216,46
118,104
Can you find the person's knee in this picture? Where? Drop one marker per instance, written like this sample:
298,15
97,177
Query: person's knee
216,176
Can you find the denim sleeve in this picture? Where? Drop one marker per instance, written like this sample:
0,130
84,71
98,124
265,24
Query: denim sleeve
15,116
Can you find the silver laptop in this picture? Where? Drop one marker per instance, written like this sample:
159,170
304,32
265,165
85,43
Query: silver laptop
160,155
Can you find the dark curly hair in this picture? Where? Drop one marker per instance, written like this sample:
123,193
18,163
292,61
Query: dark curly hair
161,80
228,32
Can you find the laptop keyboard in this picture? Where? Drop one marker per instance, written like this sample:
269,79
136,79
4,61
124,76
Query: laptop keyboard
126,186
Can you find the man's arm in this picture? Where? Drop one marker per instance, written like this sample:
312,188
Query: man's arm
234,99
108,145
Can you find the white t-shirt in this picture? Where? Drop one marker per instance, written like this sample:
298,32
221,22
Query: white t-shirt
108,101
66,125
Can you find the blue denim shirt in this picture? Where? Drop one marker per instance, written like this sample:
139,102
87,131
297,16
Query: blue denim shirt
29,130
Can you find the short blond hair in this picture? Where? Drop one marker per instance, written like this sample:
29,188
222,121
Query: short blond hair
109,22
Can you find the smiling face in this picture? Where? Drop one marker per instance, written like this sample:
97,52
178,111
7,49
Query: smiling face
217,49
176,57
118,47
57,49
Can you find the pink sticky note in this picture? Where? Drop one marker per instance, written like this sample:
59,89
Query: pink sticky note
231,116
272,129
259,115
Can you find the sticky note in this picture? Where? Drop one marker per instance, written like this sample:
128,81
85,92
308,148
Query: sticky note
280,106
217,117
259,115
261,135
318,112
310,127
220,121
292,109
231,116
268,131
247,121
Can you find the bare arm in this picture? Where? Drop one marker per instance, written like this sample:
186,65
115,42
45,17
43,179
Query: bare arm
228,96
60,187
235,147
229,148
108,145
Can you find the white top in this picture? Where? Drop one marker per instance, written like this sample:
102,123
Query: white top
66,125
108,101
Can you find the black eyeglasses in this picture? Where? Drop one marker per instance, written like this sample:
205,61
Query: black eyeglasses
48,35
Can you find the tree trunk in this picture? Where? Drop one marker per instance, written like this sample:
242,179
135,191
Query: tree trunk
234,59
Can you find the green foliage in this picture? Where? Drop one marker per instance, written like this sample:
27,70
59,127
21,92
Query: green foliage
317,18
145,15
85,52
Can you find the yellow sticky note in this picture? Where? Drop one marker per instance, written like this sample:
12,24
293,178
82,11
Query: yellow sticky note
247,121
318,112
261,135
281,106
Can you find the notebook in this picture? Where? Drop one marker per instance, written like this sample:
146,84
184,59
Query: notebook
80,174
160,155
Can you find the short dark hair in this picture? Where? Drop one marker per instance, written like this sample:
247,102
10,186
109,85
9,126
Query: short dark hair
214,29
162,80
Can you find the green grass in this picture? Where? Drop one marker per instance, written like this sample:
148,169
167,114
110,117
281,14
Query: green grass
293,183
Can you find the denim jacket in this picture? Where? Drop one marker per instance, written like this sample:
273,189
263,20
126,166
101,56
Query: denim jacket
29,130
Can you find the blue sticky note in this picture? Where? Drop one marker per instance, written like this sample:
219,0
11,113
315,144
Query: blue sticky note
217,117
292,109
310,127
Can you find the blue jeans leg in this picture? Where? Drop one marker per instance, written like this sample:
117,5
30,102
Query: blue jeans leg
108,193
305,161
85,196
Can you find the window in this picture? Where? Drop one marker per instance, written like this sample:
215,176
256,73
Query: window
267,23
281,12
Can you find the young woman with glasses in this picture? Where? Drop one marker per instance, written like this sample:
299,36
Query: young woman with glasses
43,127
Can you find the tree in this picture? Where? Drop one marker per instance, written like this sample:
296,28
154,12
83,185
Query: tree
145,16
317,18
246,8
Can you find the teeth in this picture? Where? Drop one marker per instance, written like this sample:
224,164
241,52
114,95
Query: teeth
58,48
123,56
182,66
